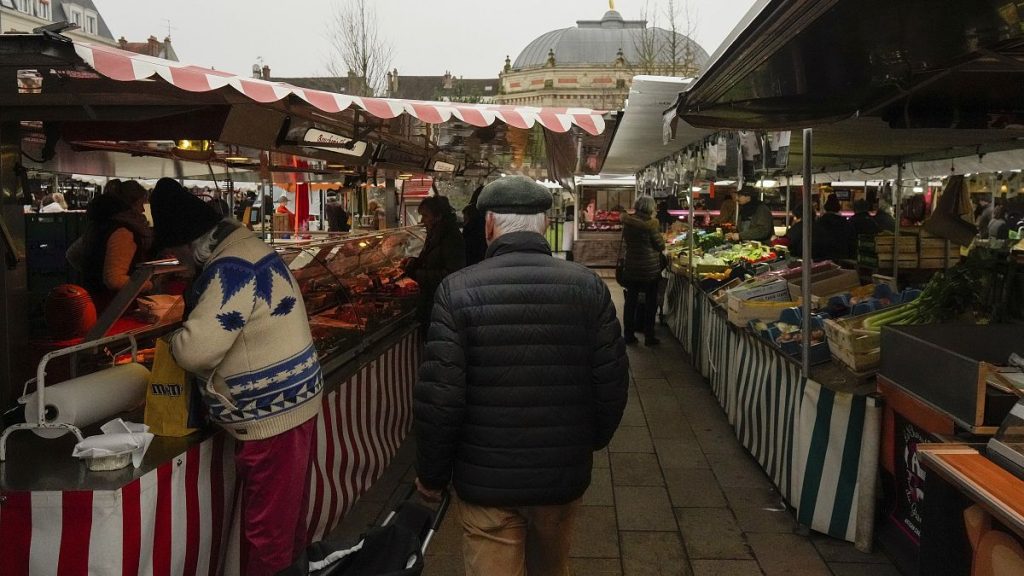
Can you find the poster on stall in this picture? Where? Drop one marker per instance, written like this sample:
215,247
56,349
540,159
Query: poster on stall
910,476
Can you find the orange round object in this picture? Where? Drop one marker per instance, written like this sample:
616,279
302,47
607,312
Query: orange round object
69,312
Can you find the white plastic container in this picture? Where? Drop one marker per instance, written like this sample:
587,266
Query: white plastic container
111,462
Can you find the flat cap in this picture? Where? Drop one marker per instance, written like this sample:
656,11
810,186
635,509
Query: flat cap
514,195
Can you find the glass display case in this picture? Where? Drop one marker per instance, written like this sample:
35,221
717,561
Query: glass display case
354,288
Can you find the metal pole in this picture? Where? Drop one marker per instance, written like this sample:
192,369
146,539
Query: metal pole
806,261
787,202
689,221
897,199
264,190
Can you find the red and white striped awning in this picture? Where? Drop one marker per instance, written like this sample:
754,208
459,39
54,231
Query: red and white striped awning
128,66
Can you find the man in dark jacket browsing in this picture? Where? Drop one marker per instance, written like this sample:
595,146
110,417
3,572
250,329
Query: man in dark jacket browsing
525,376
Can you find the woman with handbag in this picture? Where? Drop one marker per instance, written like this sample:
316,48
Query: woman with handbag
641,262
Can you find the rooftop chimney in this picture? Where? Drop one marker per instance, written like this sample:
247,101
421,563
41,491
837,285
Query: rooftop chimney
266,72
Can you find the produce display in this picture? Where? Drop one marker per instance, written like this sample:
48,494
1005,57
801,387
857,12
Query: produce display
947,295
787,334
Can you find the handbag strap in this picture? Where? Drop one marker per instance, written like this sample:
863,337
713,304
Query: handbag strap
622,239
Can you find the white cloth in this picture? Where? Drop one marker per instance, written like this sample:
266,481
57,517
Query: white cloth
50,208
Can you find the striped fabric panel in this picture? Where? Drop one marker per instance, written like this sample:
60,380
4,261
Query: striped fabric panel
828,453
806,437
364,422
161,523
768,389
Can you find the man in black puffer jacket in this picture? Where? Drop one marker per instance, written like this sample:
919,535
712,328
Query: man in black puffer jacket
525,376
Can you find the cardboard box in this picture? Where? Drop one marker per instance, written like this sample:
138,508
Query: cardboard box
741,312
761,289
825,285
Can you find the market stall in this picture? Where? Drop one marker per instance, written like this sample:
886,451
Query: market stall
790,65
817,444
177,512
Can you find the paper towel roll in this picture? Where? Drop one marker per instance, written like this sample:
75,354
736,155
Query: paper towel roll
89,399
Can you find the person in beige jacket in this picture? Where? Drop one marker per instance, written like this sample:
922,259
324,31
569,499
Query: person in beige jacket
246,339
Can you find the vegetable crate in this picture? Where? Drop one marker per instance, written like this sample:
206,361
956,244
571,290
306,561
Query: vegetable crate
856,348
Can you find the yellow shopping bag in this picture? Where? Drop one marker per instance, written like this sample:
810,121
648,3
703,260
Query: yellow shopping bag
171,398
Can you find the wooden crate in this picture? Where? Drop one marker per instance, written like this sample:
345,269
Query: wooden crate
885,260
861,364
932,253
883,243
937,263
857,350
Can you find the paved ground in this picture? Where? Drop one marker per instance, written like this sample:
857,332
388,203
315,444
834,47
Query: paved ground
674,493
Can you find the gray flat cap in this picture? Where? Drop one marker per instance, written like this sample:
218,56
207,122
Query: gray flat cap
514,195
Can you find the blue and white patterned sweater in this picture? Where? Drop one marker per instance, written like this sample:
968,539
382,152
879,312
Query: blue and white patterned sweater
248,340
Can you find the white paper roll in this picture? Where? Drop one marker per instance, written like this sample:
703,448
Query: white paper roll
89,399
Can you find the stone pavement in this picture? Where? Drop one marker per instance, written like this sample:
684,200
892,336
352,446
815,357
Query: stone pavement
674,493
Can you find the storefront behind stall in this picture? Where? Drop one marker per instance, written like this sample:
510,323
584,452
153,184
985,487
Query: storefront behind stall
178,510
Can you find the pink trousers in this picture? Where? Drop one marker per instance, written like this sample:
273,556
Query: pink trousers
274,477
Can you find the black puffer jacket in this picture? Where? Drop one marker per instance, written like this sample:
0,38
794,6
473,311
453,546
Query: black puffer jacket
642,244
525,375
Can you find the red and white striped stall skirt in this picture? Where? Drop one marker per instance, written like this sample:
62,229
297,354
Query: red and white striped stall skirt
181,519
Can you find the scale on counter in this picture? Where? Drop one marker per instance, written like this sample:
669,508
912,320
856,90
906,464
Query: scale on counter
1006,448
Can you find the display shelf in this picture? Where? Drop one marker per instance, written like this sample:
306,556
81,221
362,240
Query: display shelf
354,288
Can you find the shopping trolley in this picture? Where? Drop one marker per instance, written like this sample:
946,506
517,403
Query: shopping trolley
394,548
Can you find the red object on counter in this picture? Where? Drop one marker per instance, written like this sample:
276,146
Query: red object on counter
69,312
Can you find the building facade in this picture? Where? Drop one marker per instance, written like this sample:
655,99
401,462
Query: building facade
25,15
592,64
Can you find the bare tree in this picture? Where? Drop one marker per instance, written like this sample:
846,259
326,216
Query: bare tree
359,48
680,56
667,52
647,44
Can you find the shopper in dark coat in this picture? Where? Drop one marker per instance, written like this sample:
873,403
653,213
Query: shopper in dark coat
834,237
642,245
862,224
444,252
337,217
755,218
794,237
525,376
474,235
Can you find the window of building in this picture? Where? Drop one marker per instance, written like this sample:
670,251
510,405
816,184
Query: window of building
90,23
549,83
74,14
620,83
25,6
44,10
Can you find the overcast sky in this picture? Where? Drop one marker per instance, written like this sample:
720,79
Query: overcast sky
468,37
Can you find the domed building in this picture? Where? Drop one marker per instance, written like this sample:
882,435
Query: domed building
592,64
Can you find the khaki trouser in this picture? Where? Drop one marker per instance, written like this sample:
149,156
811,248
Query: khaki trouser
530,540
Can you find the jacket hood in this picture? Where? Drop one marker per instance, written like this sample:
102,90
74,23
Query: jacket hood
104,207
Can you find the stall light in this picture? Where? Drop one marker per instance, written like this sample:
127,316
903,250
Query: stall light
696,189
766,184
405,176
724,182
238,159
918,189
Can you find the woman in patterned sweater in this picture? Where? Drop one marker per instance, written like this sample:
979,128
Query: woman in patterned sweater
246,338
